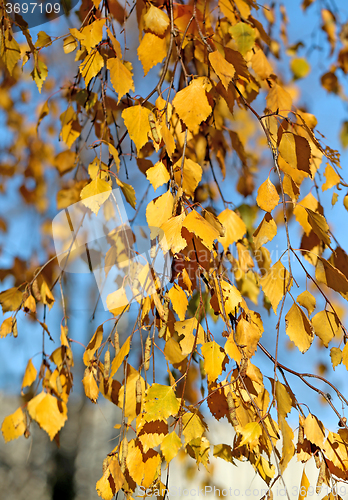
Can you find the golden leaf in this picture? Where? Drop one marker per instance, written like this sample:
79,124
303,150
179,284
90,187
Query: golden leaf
279,99
10,299
314,430
192,426
326,326
251,433
300,212
158,175
248,334
336,356
159,211
103,487
131,408
90,67
160,402
191,104
305,484
156,20
223,451
120,76
93,345
234,226
151,51
185,329
7,327
331,276
170,446
116,363
197,225
168,140
90,35
296,151
319,225
136,119
299,328
129,192
90,386
29,375
179,300
274,284
261,65
214,360
306,299
284,401
267,196
224,70
332,178
172,231
14,425
95,194
192,175
265,232
39,73
70,44
48,412
288,448
244,35
232,350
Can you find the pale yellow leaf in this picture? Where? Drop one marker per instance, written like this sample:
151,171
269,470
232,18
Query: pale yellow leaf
95,194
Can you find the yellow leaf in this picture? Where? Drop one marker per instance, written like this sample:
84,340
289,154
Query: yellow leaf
14,425
326,326
214,360
197,225
39,73
46,294
117,301
131,408
65,161
172,231
179,300
234,226
274,284
129,192
93,345
284,401
332,178
296,151
319,225
336,356
150,469
151,51
170,446
157,175
42,40
46,411
299,328
92,34
279,99
261,65
120,76
160,402
191,104
115,471
95,194
10,50
192,426
244,35
223,451
265,232
305,484
6,327
103,487
120,357
90,386
158,212
10,299
232,350
70,44
29,375
300,67
136,119
90,67
288,448
168,140
224,70
267,196
306,299
251,433
345,356
314,430
156,20
192,175
331,276
185,329
248,334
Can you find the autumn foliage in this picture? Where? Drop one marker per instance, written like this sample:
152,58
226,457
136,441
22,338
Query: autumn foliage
200,139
